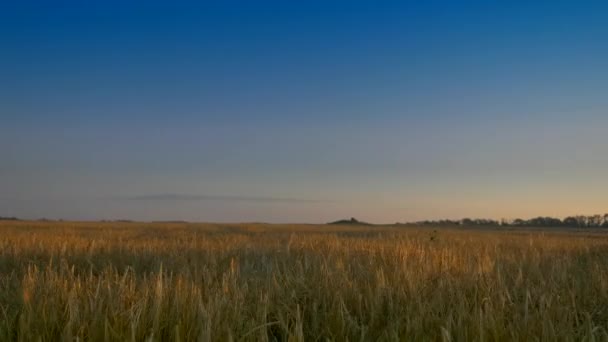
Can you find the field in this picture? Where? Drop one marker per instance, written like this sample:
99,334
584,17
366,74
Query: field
254,282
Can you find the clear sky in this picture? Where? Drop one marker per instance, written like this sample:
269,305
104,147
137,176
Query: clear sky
308,112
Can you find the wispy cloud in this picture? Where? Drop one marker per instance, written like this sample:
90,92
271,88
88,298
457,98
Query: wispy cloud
225,198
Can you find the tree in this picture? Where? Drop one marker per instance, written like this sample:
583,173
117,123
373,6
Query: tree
595,221
570,221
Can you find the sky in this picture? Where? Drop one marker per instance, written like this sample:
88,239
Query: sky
313,111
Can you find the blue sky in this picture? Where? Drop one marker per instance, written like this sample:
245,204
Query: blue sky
285,112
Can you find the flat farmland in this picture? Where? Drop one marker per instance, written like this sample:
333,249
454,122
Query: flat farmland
126,281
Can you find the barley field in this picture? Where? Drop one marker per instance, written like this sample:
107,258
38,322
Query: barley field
75,281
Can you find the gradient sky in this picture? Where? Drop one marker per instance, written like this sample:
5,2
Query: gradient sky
308,112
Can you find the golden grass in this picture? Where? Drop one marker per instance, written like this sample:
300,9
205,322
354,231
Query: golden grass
187,282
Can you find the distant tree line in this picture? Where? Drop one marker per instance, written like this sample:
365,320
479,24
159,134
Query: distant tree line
11,218
352,221
578,221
